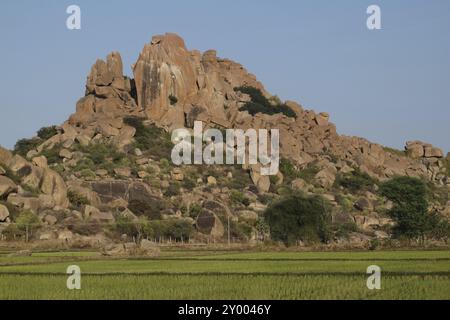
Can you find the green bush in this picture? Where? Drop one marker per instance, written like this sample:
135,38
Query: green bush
355,181
189,184
77,200
46,133
410,210
237,197
395,151
240,230
241,179
173,190
447,166
299,217
52,154
173,100
174,229
345,229
290,172
151,208
308,173
27,222
260,104
99,154
345,202
23,146
87,174
125,225
194,210
152,139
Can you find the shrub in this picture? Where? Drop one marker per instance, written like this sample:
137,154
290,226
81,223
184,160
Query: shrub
23,146
355,181
308,173
99,154
175,229
290,172
151,208
46,133
27,223
259,103
125,225
241,179
152,139
343,230
173,190
374,244
173,100
189,184
52,154
410,210
345,202
299,217
447,166
85,228
395,151
77,200
237,197
87,174
195,210
240,230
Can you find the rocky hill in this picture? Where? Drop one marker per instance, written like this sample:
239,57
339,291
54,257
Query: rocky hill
105,174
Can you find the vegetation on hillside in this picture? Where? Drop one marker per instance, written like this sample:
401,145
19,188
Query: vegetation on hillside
260,104
150,138
410,210
299,218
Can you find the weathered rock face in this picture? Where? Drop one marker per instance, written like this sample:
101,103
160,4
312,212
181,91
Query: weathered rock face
4,213
109,98
419,149
53,184
173,87
6,186
201,83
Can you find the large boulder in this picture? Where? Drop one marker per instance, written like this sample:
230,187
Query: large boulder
260,181
326,177
166,69
6,186
5,156
53,184
4,213
363,204
26,203
209,223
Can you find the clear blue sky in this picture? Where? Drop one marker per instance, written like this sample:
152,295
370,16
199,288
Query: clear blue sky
389,86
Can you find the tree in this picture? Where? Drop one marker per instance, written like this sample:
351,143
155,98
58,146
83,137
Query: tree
298,217
27,223
46,133
410,209
23,146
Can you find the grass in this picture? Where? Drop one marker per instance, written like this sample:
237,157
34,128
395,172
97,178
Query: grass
179,274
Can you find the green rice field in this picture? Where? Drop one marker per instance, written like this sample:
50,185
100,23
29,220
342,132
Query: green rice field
188,274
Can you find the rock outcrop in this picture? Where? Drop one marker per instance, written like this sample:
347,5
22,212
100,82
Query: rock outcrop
172,87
